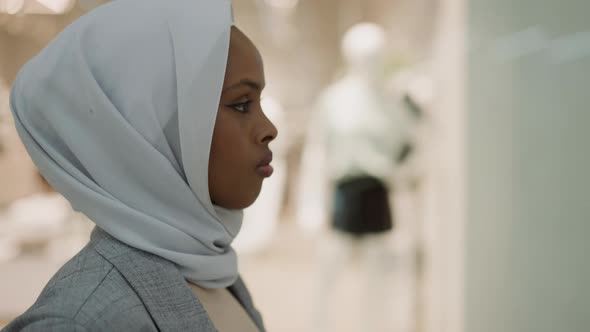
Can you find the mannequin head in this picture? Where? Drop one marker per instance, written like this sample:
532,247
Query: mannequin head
363,46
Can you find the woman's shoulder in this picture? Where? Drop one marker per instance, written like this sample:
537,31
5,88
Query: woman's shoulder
86,294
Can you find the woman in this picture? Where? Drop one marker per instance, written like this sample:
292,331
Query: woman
145,115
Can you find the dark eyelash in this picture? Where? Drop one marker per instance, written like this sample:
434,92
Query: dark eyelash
237,107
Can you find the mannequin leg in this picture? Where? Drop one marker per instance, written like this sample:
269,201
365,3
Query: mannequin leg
373,255
334,253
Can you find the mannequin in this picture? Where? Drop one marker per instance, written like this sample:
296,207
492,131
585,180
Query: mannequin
354,145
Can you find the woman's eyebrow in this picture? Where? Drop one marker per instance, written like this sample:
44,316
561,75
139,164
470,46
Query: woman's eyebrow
246,82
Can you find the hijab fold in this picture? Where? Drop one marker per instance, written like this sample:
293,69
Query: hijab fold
118,114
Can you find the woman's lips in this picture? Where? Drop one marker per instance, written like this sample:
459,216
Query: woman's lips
265,171
264,168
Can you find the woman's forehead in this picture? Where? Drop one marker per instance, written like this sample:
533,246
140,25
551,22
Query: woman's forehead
244,59
242,46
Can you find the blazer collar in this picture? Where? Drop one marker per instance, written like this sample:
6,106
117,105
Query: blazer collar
162,288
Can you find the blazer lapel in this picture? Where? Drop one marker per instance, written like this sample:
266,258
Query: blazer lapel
240,292
159,284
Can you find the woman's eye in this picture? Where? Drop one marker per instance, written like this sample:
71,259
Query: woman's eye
241,107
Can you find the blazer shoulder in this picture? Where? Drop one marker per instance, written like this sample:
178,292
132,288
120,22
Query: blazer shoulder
45,323
87,293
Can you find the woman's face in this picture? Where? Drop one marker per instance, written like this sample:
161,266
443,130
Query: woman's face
240,156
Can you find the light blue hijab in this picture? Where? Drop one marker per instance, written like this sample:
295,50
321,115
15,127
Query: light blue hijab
118,114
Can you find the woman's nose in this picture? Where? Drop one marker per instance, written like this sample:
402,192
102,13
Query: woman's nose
268,132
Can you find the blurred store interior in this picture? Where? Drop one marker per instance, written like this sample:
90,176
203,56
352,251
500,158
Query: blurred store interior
490,210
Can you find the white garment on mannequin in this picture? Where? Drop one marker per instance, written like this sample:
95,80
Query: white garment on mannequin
334,255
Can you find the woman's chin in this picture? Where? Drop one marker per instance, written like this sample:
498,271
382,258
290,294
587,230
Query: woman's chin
240,203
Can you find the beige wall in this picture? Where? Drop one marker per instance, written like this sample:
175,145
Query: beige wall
445,197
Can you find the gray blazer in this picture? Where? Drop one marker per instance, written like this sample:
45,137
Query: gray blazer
110,286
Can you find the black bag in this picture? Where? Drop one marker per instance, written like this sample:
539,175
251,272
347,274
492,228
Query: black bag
361,206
